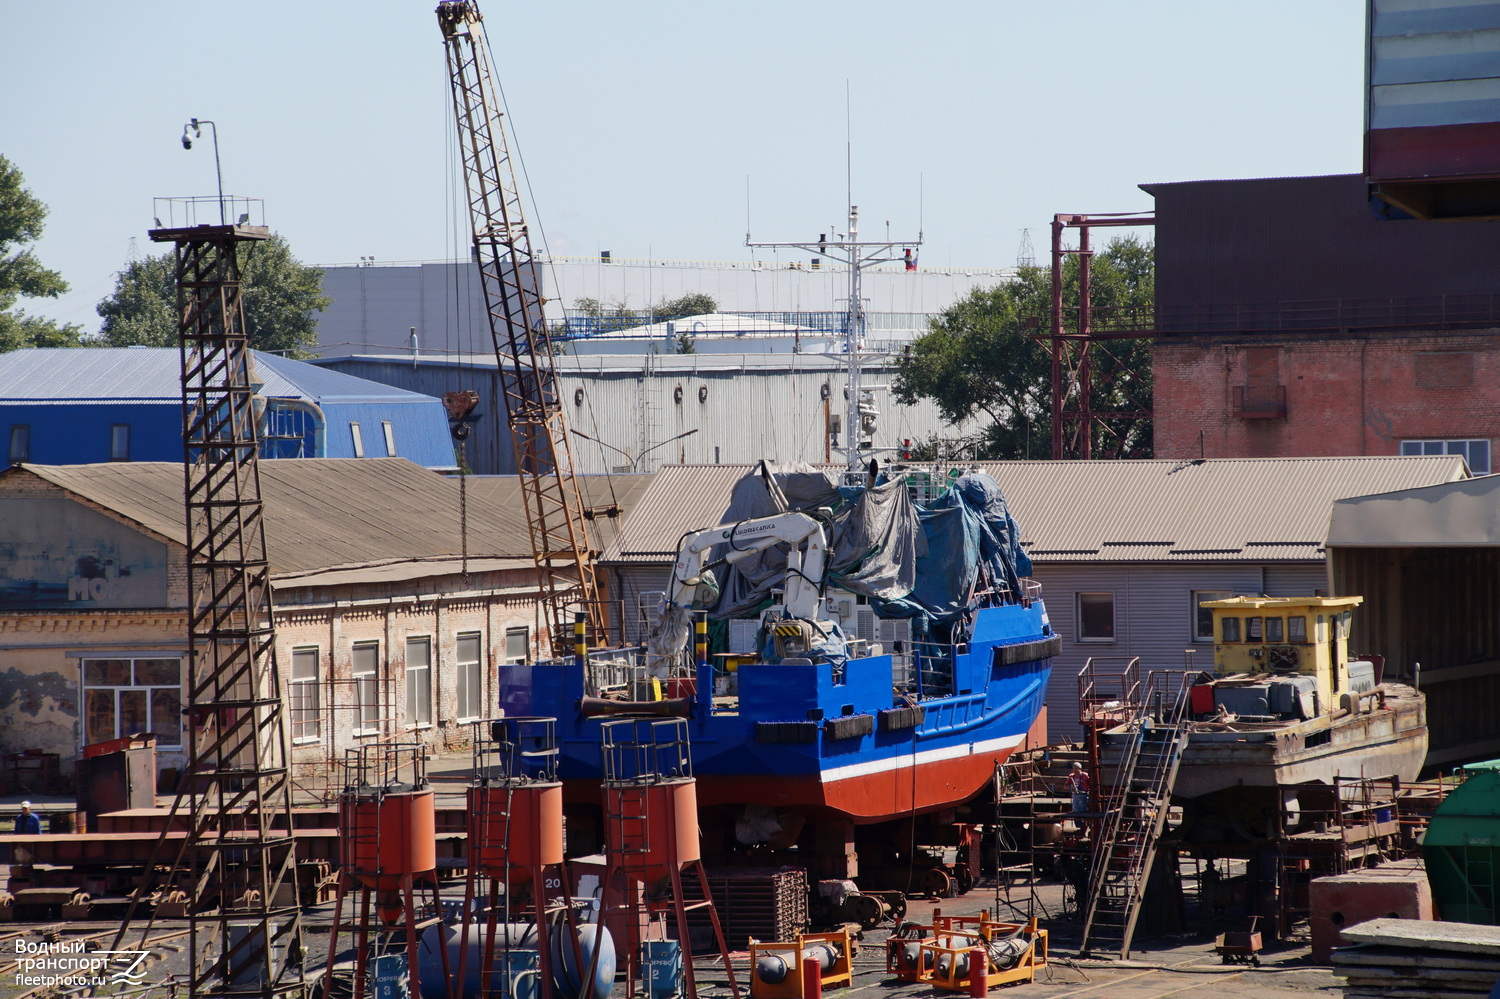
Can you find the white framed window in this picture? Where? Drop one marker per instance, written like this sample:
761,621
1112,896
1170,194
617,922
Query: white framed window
304,697
390,438
1475,452
20,442
1095,616
119,442
419,682
129,696
365,670
1202,617
468,654
517,645
358,438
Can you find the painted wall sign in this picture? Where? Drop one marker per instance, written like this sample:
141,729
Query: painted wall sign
56,554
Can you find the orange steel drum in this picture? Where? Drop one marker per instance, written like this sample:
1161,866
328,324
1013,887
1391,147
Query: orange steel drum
667,835
533,836
385,839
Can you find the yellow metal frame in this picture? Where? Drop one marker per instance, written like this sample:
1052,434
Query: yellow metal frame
895,944
840,975
954,942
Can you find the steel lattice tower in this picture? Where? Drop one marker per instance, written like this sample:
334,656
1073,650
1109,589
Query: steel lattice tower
523,350
246,928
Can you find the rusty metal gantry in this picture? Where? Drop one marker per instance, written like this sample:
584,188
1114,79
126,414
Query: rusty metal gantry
523,349
1074,418
245,924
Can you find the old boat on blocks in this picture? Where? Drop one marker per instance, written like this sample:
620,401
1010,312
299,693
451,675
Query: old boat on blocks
863,653
1284,712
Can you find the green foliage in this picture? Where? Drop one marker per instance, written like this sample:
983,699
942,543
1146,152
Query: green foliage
685,344
281,297
980,361
695,304
142,311
21,276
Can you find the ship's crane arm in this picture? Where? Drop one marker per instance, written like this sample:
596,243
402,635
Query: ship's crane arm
804,572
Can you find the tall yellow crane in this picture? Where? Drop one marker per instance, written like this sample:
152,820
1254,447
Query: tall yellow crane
512,291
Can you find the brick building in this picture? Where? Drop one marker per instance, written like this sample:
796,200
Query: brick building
1292,322
383,628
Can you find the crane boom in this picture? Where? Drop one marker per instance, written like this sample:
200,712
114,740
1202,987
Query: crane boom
512,291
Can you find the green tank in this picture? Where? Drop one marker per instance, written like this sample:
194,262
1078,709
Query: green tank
1462,848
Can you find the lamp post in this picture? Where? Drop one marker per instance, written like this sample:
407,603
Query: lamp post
635,459
193,130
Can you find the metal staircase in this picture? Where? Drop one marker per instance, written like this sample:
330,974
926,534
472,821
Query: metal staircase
1135,815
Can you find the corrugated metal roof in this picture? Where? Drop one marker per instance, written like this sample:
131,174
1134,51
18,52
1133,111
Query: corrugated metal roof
284,377
1219,510
1450,515
599,492
679,498
90,374
320,513
396,572
1228,509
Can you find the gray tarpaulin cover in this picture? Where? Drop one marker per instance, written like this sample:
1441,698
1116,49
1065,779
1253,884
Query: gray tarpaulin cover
910,562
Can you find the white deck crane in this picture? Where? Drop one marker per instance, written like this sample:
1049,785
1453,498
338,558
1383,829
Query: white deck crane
805,610
512,291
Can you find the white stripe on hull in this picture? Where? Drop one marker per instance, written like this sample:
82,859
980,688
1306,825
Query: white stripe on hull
918,759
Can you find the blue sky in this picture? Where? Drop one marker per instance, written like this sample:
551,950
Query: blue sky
643,126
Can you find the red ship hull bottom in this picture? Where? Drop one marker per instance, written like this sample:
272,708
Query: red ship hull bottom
866,793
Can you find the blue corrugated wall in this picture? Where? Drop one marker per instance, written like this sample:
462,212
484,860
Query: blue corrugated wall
79,433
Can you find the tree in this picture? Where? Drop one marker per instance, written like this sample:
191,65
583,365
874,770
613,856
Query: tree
981,359
21,276
281,296
694,304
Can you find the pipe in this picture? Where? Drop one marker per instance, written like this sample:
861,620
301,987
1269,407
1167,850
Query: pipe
312,409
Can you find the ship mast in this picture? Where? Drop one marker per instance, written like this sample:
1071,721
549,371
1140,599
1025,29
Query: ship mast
859,418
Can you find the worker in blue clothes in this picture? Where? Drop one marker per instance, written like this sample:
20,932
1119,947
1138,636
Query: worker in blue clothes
28,823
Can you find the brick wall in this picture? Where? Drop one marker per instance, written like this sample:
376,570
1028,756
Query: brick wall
1354,396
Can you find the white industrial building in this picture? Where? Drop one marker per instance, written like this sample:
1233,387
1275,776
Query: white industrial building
637,412
377,306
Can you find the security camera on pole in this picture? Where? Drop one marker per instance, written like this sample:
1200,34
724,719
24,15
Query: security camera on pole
194,130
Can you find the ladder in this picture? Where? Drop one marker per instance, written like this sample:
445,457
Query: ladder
1134,819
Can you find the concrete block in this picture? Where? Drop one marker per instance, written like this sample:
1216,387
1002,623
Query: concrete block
1397,890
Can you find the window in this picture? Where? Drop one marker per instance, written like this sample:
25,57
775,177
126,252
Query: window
1096,617
1475,452
366,673
20,442
359,441
1231,628
303,697
390,438
1203,617
119,442
127,696
1296,628
1273,630
1253,631
468,653
517,645
419,682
